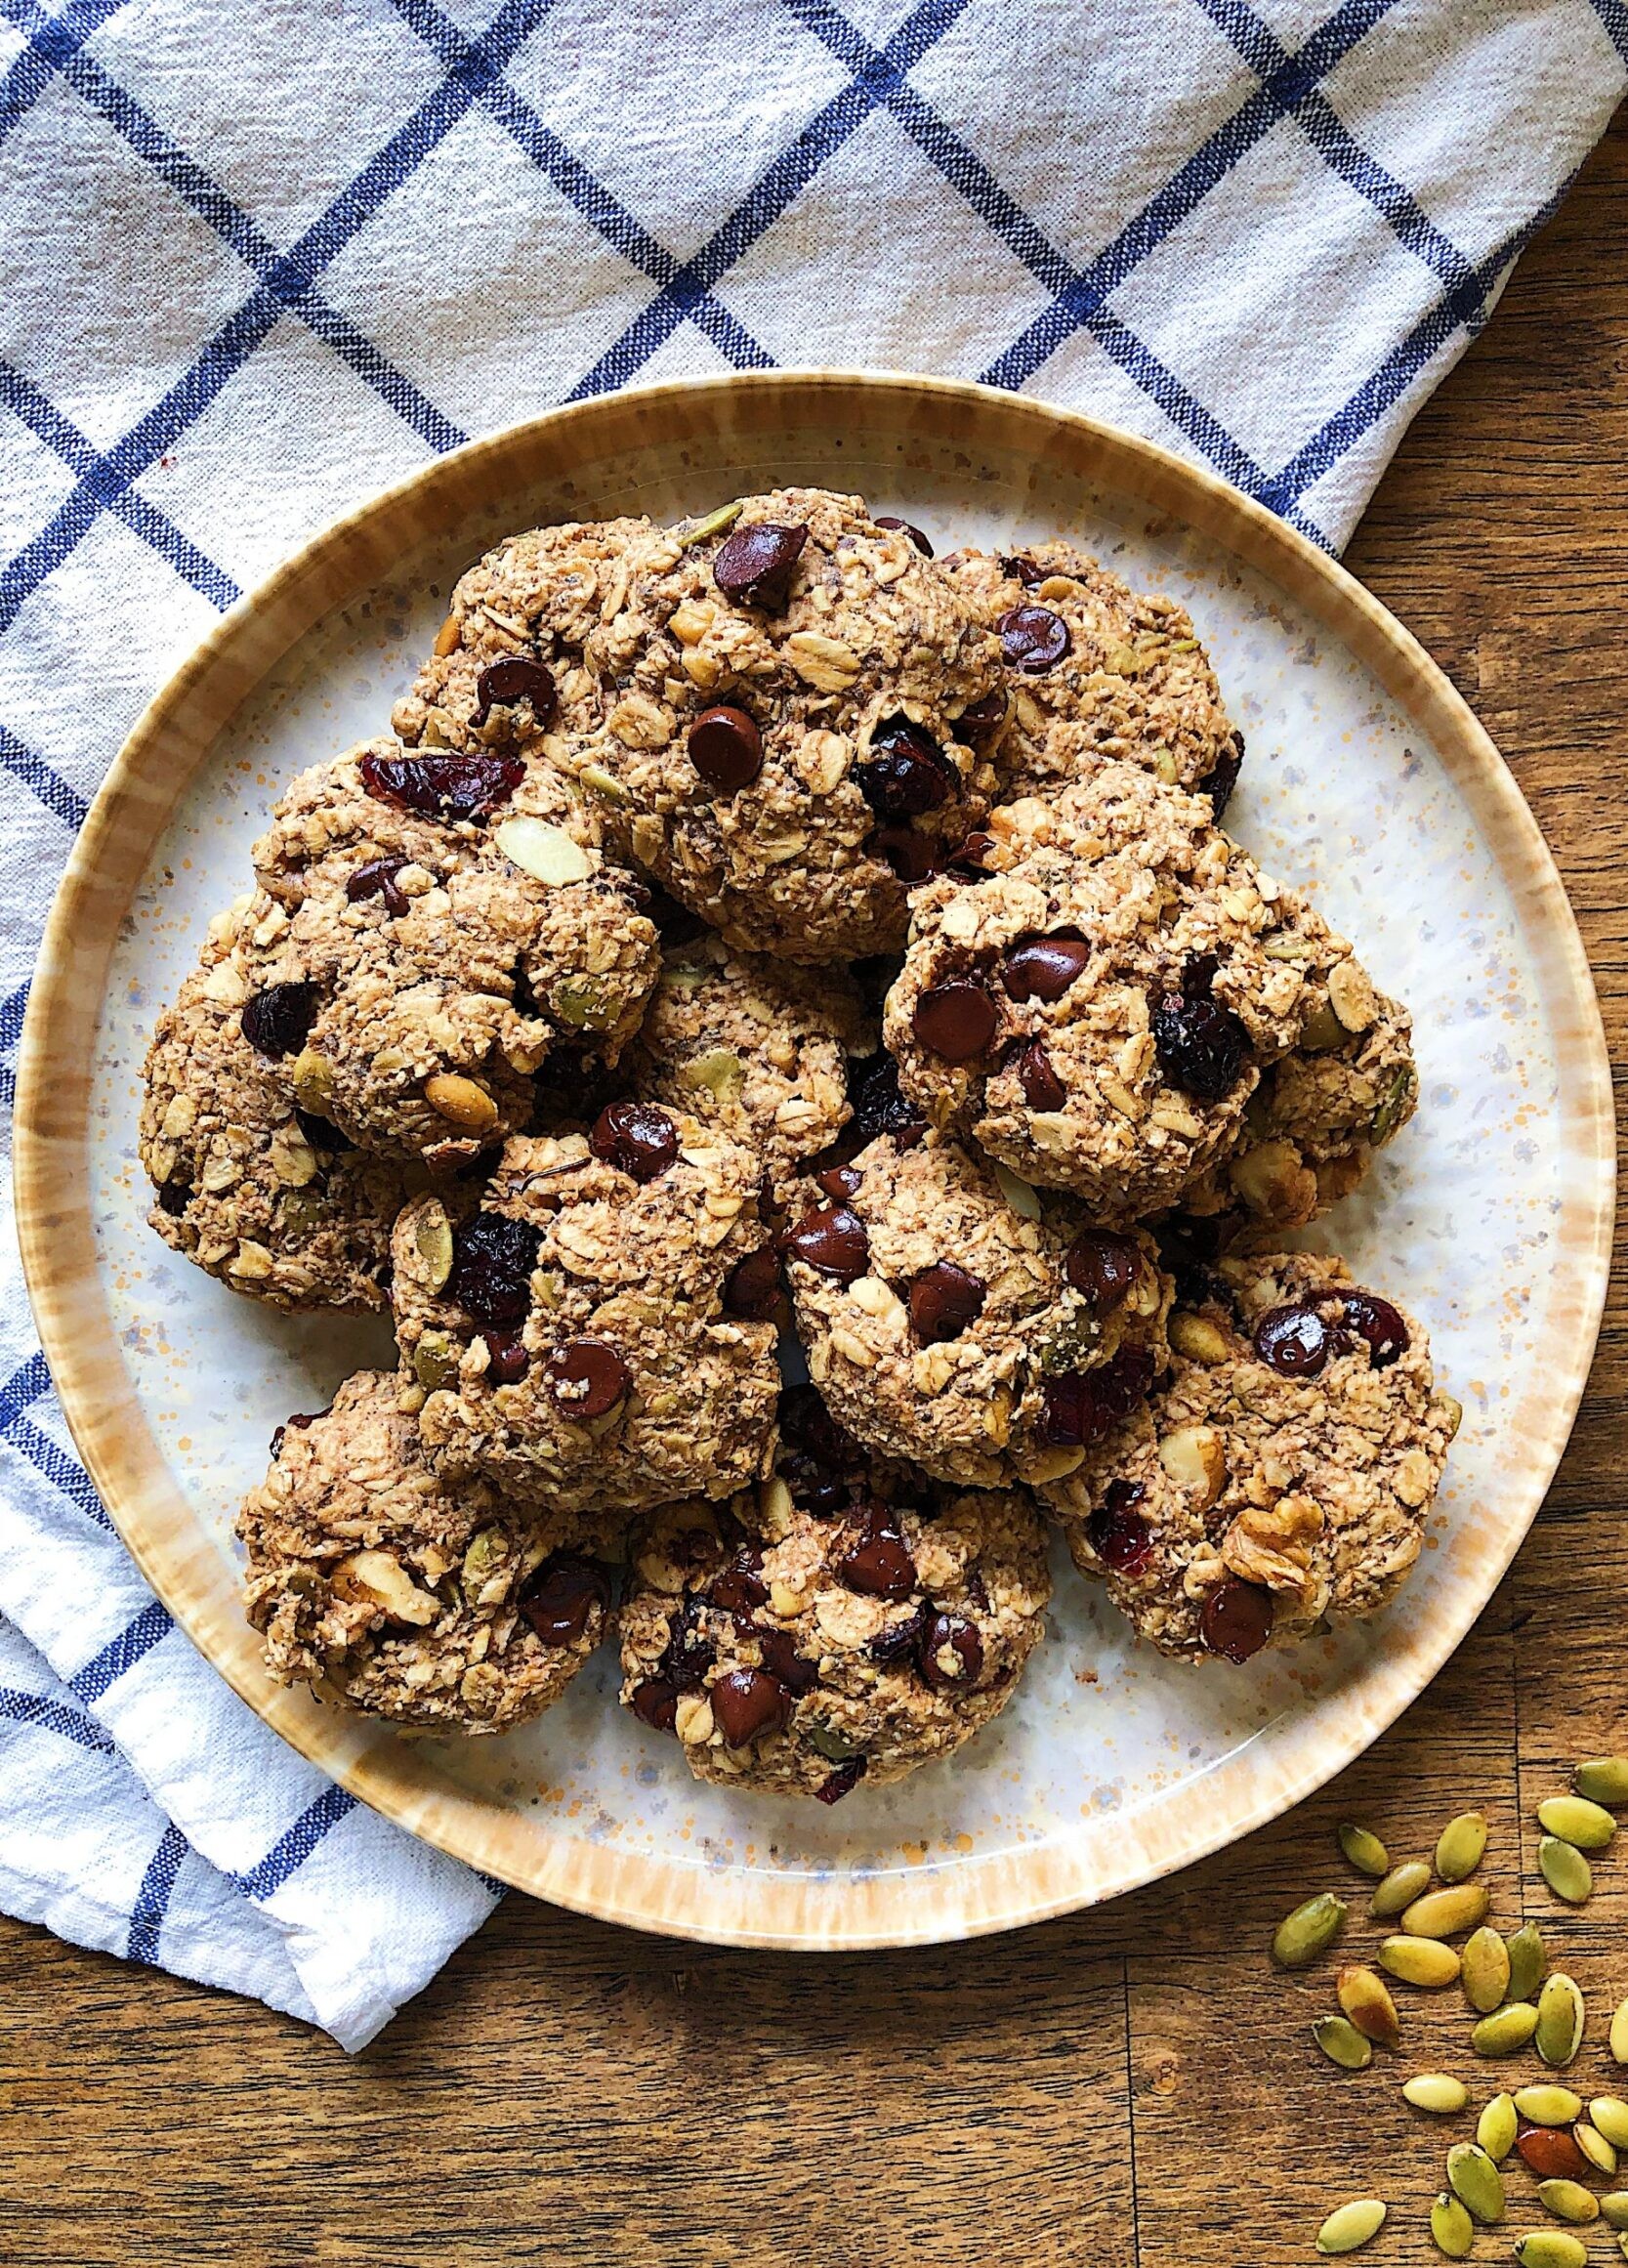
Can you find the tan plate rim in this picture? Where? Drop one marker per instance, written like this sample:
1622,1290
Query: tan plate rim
174,734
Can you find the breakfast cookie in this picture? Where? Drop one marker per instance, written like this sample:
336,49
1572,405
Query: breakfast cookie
1096,674
1095,1011
796,704
954,1317
270,1200
386,1589
800,1655
756,1048
1282,1472
586,1326
429,924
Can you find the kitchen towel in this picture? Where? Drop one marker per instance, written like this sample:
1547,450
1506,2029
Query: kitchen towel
262,257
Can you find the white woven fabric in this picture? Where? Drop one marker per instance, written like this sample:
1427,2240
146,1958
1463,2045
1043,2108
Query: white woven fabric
262,257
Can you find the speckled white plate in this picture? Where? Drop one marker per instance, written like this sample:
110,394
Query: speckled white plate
1366,778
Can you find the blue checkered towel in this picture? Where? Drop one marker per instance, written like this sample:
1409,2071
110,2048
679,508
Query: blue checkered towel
264,259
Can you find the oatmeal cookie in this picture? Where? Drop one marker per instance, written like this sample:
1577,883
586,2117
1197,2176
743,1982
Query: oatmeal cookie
1096,674
758,1049
270,1200
428,926
796,698
386,1589
1097,1010
1282,1472
801,1655
955,1318
585,1327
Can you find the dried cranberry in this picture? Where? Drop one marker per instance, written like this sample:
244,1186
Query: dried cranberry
690,1653
377,879
1043,968
560,1599
843,1780
443,782
755,564
1033,639
1081,1407
637,1138
1023,569
1378,1325
747,1703
781,1659
905,527
1236,1619
908,775
878,1106
1102,1268
726,748
944,1301
278,1021
752,1292
1202,1046
1551,2153
912,857
1221,777
1042,1089
490,1276
878,1562
174,1196
1116,1530
955,1019
979,721
589,1377
322,1133
655,1703
512,678
950,1651
832,1240
507,1359
1294,1340
898,1641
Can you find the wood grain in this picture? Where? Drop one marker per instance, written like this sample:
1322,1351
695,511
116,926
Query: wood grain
1126,2087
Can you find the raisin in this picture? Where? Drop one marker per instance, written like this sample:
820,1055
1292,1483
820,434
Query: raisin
278,1021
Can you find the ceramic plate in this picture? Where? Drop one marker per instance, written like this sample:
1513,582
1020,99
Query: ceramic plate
1367,778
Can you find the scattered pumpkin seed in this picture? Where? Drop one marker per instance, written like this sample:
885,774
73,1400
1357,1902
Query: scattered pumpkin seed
1472,2178
1400,1886
1564,1868
1497,2128
1352,2225
1311,1929
1343,2044
1420,1961
1575,1820
1548,2105
1526,1961
1609,2113
1619,2035
1615,2207
1444,1913
1622,2242
1570,2201
1506,2032
1363,1848
1460,1846
1436,2091
1594,2147
1485,1972
1551,2249
1602,1779
1366,1999
1451,2226
1560,2021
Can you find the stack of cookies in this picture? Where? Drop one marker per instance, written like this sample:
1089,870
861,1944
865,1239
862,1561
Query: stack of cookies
761,951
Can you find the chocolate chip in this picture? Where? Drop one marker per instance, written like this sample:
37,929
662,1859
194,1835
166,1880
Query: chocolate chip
443,782
878,1562
967,860
507,1359
878,1106
1081,1407
637,1138
741,1588
818,1459
843,1780
907,774
1202,1046
490,1278
840,1180
655,1703
1102,1268
912,857
746,1704
1294,1340
173,1198
1023,569
512,678
952,1652
1221,777
892,520
955,1019
1032,638
781,1659
322,1133
377,879
726,748
752,1292
1042,1089
832,1240
278,1021
979,721
560,1599
1043,968
589,1377
1117,1533
755,564
1236,1619
1378,1325
944,1301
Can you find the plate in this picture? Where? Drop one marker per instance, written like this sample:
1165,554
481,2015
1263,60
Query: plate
1367,778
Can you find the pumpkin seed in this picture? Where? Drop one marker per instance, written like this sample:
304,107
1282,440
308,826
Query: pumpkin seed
1444,1913
1560,2021
1615,2207
1622,2243
714,523
1551,2249
1497,2128
433,1235
1451,2226
1460,1846
1575,1820
1472,2178
1507,2032
1548,2105
1366,2000
1400,1886
1619,2035
1570,2201
1352,2225
1602,1779
1420,1961
1609,2113
1594,2147
1564,1868
1311,1929
1436,2091
1342,2043
1485,1972
1526,1961
1363,1848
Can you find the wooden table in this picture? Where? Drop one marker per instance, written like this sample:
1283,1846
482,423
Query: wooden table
1132,2085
